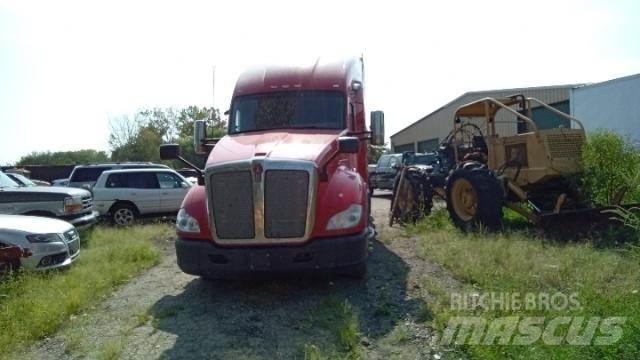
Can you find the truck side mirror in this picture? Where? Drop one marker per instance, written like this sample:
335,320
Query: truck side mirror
348,145
199,135
377,128
169,151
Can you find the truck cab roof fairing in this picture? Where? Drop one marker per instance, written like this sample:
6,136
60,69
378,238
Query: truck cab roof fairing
319,75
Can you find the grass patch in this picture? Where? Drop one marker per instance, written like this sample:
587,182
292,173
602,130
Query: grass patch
34,305
606,282
339,318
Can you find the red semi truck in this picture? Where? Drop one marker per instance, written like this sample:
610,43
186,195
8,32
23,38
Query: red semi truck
286,189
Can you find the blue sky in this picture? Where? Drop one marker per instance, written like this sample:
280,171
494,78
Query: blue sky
67,67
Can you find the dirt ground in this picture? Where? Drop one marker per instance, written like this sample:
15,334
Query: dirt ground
165,313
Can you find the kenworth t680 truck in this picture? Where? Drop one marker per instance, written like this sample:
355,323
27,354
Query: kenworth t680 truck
286,189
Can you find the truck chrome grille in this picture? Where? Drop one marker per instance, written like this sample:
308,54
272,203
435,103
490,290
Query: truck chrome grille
232,204
261,201
87,202
285,203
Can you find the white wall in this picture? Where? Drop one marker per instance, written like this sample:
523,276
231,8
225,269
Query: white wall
613,105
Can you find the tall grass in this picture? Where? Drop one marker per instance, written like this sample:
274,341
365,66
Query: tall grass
606,281
35,305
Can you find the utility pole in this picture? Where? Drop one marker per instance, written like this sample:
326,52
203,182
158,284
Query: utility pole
213,94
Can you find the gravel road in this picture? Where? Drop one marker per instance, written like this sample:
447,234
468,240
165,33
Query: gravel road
165,313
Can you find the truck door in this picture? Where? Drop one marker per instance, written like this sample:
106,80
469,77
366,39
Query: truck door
7,206
173,189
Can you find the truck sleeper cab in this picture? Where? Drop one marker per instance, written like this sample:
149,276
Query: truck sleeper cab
286,189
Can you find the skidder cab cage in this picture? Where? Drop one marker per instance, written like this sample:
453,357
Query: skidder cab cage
528,168
533,156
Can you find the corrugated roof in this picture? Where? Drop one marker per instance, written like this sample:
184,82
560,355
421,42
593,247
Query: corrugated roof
482,92
608,82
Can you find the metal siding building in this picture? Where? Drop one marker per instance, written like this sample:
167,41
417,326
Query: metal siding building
613,104
426,133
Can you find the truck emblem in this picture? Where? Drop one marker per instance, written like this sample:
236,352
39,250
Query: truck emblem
257,172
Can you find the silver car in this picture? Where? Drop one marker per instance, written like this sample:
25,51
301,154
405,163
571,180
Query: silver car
53,243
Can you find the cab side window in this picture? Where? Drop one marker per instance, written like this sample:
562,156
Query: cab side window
115,181
169,181
143,180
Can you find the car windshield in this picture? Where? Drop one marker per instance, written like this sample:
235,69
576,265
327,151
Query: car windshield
292,109
23,180
6,182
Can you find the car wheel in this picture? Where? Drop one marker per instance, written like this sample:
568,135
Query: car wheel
123,214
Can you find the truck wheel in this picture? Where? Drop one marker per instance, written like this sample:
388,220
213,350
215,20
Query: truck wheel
123,214
474,199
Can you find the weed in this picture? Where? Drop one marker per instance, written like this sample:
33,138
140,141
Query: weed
399,335
111,350
73,342
142,318
383,303
312,352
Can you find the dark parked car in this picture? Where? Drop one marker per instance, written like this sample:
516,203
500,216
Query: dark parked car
385,172
85,176
428,159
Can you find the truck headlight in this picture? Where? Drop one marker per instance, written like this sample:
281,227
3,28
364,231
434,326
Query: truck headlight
346,219
43,238
72,204
186,222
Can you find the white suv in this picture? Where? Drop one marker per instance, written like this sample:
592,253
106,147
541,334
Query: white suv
125,195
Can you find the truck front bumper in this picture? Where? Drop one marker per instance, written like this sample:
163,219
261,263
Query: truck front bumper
82,221
204,258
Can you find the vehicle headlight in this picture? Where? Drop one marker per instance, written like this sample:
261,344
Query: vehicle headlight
186,222
73,203
43,238
346,219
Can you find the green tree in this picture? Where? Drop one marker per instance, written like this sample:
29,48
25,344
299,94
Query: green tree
63,157
375,152
138,139
611,162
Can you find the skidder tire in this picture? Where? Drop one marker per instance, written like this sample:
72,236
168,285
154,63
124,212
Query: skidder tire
474,199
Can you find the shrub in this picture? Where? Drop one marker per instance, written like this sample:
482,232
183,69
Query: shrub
611,162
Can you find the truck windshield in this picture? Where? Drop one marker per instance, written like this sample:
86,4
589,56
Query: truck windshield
291,109
6,182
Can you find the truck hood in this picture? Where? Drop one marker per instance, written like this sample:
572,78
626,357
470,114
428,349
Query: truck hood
47,192
311,145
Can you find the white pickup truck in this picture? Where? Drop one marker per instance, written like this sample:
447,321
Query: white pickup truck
72,205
